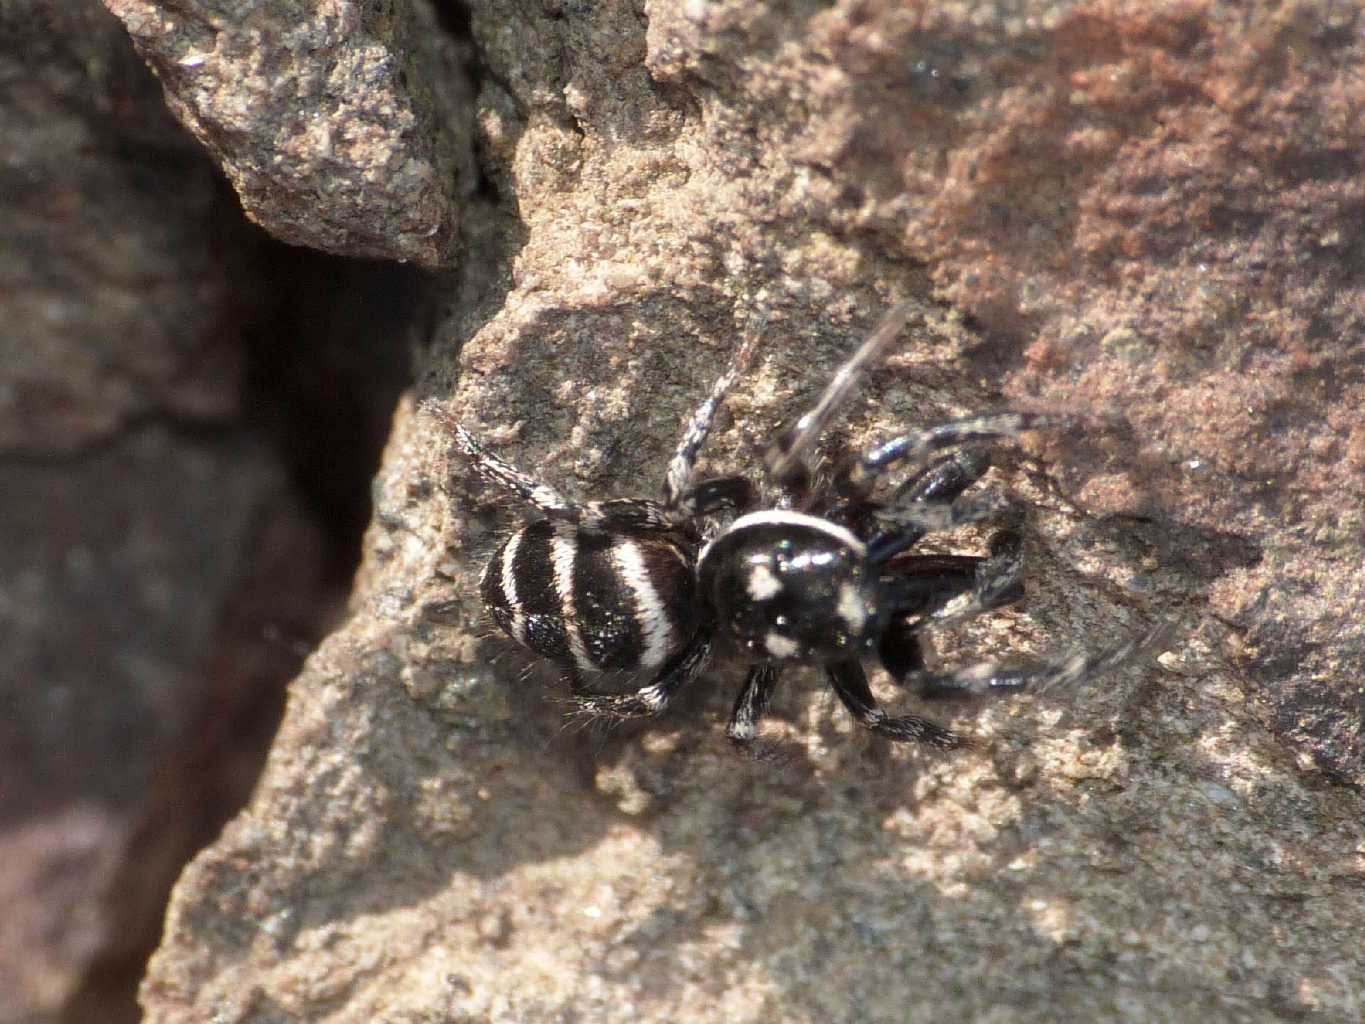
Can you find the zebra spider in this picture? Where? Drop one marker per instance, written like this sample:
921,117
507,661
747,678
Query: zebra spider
824,576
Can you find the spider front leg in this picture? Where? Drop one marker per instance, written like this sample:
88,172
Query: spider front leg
861,475
850,684
924,590
945,478
785,462
682,468
903,527
928,590
751,703
926,502
990,678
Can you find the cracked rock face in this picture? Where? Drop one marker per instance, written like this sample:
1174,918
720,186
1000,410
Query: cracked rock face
158,564
1148,213
315,119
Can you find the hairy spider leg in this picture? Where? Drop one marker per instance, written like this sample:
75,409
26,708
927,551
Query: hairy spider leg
991,678
936,487
540,496
862,474
925,588
752,702
786,458
914,521
930,590
922,593
931,491
682,468
638,514
921,586
850,684
912,515
945,478
653,698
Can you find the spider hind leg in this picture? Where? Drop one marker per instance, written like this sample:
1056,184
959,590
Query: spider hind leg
653,698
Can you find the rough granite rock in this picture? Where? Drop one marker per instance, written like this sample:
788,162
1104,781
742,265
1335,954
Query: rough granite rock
1148,212
344,126
138,683
156,564
107,210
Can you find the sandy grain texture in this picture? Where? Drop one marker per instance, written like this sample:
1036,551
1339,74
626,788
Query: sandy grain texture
1144,211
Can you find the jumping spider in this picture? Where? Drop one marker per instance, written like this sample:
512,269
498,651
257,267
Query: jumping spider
824,576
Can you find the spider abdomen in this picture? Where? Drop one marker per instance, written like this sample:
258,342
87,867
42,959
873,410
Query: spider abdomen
595,600
787,586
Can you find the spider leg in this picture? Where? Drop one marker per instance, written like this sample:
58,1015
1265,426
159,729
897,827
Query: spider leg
721,493
850,684
937,486
899,649
615,514
751,703
785,461
886,526
682,468
916,585
929,590
924,594
990,678
653,698
904,526
860,476
542,497
1000,576
945,478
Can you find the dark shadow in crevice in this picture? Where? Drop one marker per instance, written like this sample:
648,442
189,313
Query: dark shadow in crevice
326,364
327,346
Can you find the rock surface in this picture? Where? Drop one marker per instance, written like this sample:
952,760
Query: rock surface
139,686
108,210
1145,212
159,567
315,120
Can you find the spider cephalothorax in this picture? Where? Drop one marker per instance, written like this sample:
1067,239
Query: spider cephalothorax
824,576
